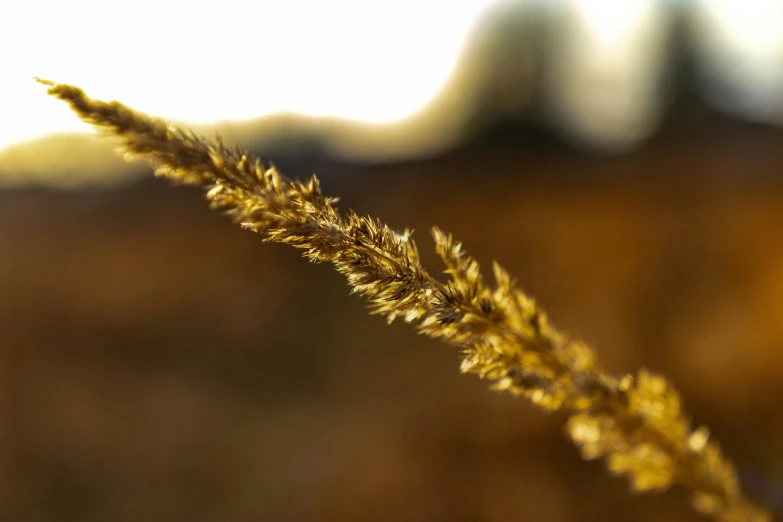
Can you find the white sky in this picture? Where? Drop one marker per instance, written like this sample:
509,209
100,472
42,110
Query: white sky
741,43
376,61
368,60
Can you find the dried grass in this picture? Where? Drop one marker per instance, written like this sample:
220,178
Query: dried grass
636,422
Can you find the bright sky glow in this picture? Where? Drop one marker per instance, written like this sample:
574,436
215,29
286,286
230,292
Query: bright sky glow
370,61
742,43
752,24
604,75
610,22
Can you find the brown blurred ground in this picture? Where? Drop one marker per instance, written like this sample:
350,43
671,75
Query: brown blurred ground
159,364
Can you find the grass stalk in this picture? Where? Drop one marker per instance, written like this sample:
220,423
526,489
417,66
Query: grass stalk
635,422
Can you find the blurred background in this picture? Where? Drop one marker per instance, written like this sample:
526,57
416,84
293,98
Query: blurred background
623,159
